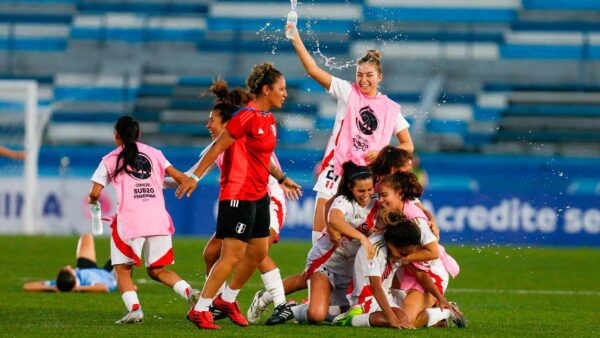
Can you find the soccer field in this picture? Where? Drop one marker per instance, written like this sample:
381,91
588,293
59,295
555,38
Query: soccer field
504,291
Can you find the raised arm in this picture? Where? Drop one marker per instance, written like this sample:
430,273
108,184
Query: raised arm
405,140
309,64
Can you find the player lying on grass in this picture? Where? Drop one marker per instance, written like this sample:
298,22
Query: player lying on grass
86,276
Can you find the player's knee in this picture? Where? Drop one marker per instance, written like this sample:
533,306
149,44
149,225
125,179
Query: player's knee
211,254
154,273
316,315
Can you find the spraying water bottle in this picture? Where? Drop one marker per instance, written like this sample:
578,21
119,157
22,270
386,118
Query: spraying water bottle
292,19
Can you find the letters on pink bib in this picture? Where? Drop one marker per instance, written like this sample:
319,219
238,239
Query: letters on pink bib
141,211
369,124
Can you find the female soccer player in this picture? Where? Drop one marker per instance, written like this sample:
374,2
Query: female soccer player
142,224
329,267
365,121
371,299
243,222
391,160
228,103
398,191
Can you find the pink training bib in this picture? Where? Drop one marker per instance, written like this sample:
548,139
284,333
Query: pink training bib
141,210
368,125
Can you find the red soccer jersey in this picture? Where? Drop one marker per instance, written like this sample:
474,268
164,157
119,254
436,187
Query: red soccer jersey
245,171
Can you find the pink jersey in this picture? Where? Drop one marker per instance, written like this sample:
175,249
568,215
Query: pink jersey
369,125
141,210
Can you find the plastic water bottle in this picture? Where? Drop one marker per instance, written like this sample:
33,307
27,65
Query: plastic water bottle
96,218
292,19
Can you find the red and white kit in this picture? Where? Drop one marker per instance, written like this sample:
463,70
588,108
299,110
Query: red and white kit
142,222
364,268
337,263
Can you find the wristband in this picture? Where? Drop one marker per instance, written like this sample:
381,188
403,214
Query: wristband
192,175
282,179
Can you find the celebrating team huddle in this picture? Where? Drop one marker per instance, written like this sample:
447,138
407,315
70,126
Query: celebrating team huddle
375,259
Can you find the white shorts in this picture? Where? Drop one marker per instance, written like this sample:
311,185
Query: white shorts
438,274
157,250
278,210
339,286
327,183
370,304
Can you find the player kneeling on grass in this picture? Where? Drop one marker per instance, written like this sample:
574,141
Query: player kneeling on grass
373,302
142,223
86,276
329,266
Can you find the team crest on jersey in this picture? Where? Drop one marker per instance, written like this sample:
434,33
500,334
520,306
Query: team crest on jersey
143,169
260,131
367,121
240,228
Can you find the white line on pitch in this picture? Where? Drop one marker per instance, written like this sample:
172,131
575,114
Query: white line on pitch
529,292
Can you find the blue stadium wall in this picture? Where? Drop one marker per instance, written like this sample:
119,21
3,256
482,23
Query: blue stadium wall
477,199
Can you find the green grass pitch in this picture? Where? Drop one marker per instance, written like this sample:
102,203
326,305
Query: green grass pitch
563,297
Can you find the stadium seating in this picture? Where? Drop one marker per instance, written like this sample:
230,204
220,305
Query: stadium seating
503,62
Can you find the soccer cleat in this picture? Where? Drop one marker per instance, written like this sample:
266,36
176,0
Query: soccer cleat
193,296
202,319
345,319
459,320
232,310
257,307
216,313
281,314
132,317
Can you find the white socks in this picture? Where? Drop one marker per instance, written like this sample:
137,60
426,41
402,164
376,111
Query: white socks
274,286
300,312
361,321
436,315
203,304
229,295
182,288
131,300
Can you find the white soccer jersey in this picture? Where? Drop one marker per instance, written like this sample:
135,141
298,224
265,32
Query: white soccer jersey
340,260
364,268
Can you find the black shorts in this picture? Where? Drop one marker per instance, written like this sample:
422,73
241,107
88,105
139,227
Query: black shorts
84,263
244,220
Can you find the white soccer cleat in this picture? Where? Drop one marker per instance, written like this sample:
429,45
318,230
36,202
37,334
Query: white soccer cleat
257,307
456,318
132,317
193,297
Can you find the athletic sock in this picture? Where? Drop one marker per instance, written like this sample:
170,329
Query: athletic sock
436,315
229,295
361,321
274,286
182,288
334,311
301,312
203,304
221,288
131,300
